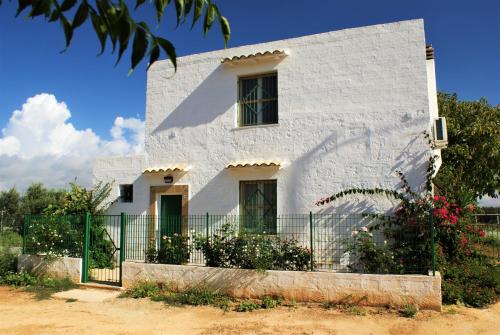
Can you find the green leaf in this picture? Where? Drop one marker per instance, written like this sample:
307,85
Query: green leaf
107,17
154,53
139,47
160,8
169,50
55,15
81,15
226,29
139,3
198,9
22,4
68,31
100,30
188,4
124,33
67,5
179,9
41,7
209,18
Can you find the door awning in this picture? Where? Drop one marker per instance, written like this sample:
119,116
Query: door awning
166,169
246,164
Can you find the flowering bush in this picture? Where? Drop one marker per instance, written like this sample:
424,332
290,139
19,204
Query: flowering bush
55,235
173,250
253,251
409,232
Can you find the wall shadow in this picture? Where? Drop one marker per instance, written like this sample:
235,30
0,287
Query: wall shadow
211,98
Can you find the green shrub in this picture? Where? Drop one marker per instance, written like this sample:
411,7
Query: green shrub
271,302
473,282
8,262
173,250
247,306
202,296
143,289
253,251
21,279
10,239
409,311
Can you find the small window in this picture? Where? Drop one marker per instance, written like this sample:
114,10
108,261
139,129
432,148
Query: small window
258,205
258,100
127,193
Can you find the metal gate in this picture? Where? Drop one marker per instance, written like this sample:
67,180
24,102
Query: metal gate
104,249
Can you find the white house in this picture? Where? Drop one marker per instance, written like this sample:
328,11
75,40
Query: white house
268,129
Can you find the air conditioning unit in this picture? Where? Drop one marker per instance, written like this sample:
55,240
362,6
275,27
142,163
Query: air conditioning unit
440,133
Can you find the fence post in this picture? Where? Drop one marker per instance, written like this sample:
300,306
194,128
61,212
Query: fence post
123,227
24,232
86,247
433,246
311,238
207,224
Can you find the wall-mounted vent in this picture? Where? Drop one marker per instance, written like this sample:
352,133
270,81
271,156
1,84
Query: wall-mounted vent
440,132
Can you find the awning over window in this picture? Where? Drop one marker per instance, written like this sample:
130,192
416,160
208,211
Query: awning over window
166,169
266,55
245,164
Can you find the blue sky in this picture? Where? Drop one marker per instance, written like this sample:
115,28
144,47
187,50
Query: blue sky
464,33
107,106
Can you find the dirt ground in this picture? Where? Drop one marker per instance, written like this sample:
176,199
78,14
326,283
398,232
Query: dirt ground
21,314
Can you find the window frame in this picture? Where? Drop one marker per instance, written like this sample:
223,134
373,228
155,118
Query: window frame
124,193
240,102
265,215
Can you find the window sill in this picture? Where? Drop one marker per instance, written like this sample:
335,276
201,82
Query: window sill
256,126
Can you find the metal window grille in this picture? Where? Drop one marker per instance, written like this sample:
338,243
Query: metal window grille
258,100
258,205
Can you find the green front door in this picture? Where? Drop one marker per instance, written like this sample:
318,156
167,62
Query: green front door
170,215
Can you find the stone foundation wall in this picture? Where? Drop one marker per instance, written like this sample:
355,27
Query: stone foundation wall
362,289
57,267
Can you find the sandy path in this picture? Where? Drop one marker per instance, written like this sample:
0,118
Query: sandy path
21,314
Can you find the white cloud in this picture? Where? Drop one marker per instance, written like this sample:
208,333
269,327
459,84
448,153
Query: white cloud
38,144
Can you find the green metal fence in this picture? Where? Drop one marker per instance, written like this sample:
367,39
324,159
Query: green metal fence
318,242
53,235
329,238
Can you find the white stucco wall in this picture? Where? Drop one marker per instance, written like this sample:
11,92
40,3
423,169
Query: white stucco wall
352,108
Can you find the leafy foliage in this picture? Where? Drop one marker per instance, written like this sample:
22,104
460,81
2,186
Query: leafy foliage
471,160
80,200
173,250
417,219
112,20
253,251
247,306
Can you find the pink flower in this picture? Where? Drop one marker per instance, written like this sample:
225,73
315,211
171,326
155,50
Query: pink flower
363,229
165,237
354,233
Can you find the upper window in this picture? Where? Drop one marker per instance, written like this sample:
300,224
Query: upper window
126,193
258,205
258,100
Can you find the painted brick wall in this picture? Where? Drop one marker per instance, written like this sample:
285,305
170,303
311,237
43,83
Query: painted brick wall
352,108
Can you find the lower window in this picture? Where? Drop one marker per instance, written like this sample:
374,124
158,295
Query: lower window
258,208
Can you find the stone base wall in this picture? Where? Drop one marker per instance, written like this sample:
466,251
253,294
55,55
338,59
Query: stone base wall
57,267
362,289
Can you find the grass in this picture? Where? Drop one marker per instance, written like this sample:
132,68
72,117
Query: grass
197,296
41,287
409,311
247,306
10,239
271,302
